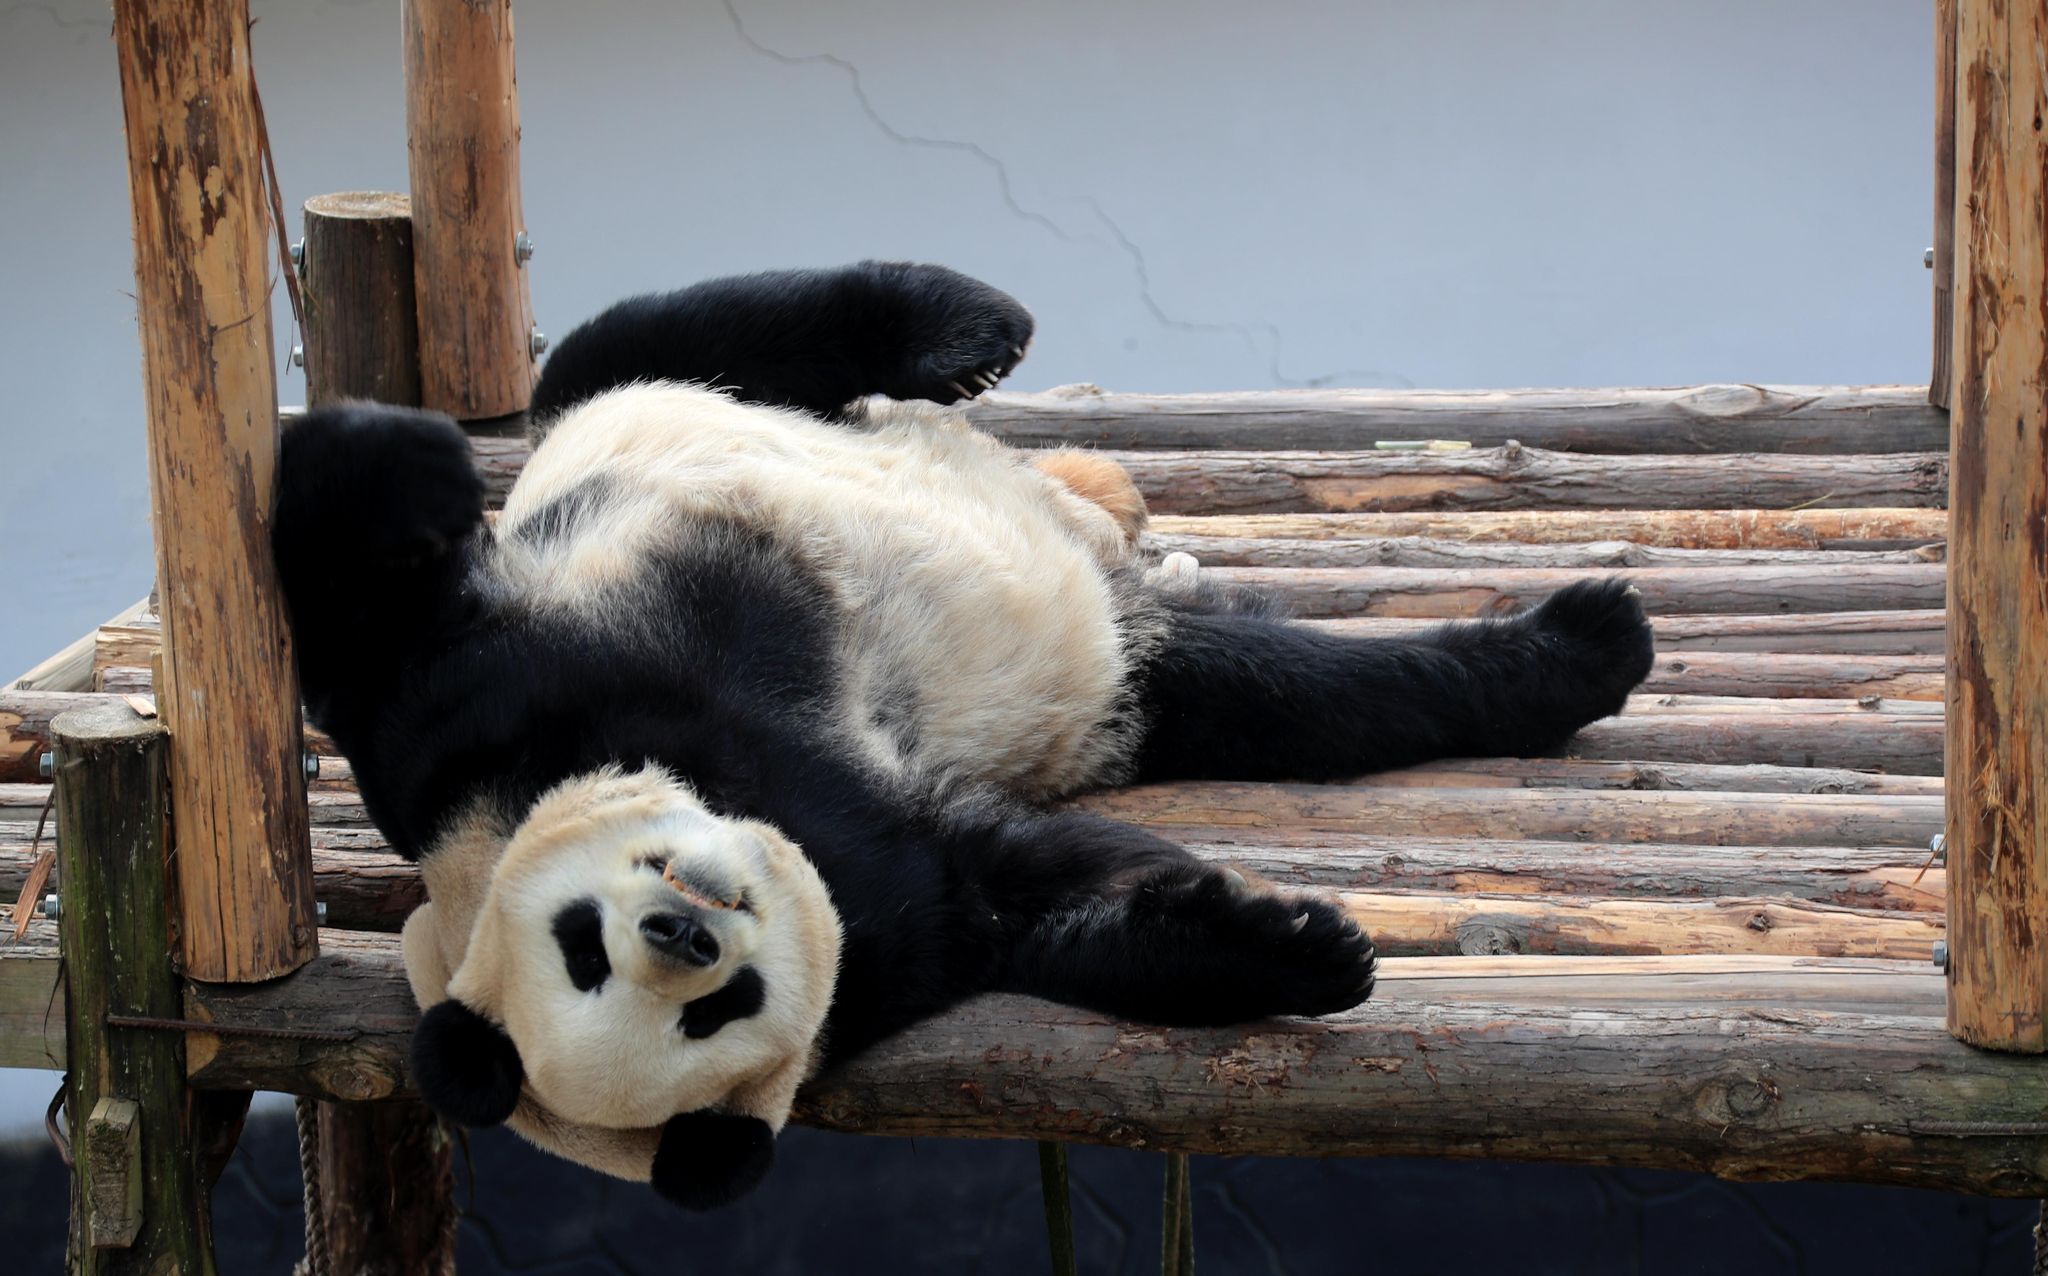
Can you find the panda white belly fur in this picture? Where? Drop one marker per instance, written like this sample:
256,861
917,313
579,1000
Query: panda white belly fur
985,631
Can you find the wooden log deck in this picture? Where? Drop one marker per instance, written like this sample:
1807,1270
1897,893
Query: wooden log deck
1703,937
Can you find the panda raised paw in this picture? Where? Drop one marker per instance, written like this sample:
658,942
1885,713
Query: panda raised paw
960,337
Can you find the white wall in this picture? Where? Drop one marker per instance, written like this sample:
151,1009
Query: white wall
1191,195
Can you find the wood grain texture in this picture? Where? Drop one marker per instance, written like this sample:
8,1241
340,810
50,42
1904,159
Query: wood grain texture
1425,551
1808,529
114,848
1941,381
227,692
1740,1066
362,330
462,144
1579,773
1897,633
1998,608
1697,419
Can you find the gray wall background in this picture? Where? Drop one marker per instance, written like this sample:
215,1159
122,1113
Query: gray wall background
1191,195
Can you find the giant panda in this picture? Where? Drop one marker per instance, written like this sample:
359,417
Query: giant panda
734,746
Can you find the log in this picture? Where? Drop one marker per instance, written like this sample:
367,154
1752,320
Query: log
1575,773
1425,925
1743,673
1747,1067
1901,633
228,693
1328,593
70,669
1943,258
1423,551
362,332
1525,478
476,351
1998,609
1698,419
137,1204
1853,741
1846,529
1303,813
389,1171
1505,478
1746,706
25,718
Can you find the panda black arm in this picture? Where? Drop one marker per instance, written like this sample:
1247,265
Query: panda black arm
377,512
810,339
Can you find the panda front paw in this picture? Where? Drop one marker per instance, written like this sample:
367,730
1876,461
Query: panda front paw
707,1160
1601,639
959,337
395,485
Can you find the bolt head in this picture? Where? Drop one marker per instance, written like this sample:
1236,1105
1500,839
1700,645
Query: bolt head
1938,845
1927,259
46,764
53,907
299,254
522,247
1941,954
298,356
311,762
320,911
537,342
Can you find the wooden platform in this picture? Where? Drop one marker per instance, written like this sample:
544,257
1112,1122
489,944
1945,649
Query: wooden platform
1702,939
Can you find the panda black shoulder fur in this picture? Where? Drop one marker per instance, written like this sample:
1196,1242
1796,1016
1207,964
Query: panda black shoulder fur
730,748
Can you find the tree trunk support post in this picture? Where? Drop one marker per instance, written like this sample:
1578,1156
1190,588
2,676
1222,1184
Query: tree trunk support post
1997,744
137,1200
227,692
478,345
386,1169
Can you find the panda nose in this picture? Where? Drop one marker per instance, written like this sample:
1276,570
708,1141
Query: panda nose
679,936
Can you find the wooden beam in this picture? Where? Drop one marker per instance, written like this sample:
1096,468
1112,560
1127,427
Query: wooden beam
1885,633
1577,773
1424,551
138,1207
1676,528
1783,1068
228,693
462,134
71,669
1709,418
1943,254
362,332
1998,606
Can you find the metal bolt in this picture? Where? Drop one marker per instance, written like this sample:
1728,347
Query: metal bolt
536,342
298,356
1927,259
320,911
53,908
1941,954
1938,845
299,255
311,761
522,247
46,764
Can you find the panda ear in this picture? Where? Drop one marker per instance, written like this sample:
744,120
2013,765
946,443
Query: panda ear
467,1069
707,1160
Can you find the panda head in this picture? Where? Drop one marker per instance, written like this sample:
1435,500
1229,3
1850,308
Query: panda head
632,957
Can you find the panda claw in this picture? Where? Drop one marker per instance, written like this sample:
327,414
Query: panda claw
960,390
1299,924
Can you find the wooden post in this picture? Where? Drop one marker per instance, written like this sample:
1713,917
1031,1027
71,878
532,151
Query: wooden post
137,1205
387,1169
362,335
1998,547
462,129
227,692
1941,380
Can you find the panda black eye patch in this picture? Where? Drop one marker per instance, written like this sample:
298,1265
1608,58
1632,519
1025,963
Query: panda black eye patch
579,932
742,997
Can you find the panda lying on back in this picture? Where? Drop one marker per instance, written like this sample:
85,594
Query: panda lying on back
727,753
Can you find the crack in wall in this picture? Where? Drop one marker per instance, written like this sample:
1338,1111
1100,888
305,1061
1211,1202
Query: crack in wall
62,23
1269,352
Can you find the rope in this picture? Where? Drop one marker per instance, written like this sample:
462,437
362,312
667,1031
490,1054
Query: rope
318,1261
2041,1242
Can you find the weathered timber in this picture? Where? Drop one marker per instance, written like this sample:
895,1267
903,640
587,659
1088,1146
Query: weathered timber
362,333
25,718
1709,418
228,694
1809,529
389,1173
132,644
1579,773
1525,478
1853,741
1334,592
1308,811
113,825
1901,633
462,142
125,679
1744,1067
1998,608
1211,483
1744,673
1745,706
1943,259
70,669
1421,925
1424,551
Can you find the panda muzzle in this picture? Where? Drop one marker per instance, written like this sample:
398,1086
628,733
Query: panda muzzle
681,937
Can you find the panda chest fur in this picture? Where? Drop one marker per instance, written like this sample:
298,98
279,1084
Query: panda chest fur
981,623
